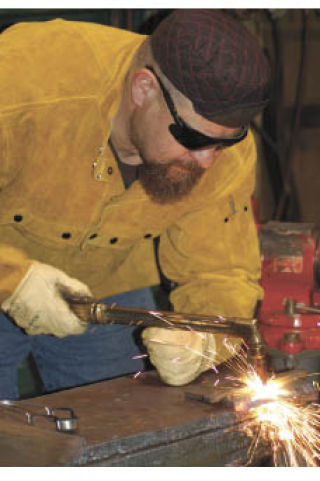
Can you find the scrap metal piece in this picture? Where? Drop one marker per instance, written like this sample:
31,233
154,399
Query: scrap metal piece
232,397
66,423
214,396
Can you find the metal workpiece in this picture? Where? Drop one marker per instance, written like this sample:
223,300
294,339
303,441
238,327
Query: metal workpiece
299,388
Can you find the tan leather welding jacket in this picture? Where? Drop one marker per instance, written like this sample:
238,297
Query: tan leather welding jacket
62,198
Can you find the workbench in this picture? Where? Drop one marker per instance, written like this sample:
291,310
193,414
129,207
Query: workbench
129,421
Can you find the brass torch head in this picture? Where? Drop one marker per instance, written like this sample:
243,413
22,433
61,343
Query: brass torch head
259,365
257,353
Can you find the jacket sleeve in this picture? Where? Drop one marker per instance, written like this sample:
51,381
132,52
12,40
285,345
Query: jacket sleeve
13,262
212,252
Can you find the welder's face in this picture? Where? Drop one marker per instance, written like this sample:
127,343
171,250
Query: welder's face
173,159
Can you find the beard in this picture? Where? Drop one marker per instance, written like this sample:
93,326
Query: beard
171,182
167,182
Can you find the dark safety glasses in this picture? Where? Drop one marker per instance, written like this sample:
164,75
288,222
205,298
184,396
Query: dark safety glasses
190,138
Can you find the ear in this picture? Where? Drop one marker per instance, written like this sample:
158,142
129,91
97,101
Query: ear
143,87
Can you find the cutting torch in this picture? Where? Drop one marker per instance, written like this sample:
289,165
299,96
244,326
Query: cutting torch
247,329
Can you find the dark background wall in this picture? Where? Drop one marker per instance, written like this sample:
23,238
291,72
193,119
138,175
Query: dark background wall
131,19
288,183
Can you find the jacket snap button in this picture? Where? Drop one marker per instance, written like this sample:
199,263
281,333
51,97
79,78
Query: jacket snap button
18,218
93,236
245,208
113,240
147,236
226,219
110,170
66,235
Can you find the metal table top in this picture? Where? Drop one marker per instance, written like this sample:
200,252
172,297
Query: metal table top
128,422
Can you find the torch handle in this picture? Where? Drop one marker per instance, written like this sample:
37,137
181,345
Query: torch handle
95,312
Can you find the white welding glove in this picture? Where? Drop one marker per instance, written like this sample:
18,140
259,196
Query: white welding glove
181,356
38,304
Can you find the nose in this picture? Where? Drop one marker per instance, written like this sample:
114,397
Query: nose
204,157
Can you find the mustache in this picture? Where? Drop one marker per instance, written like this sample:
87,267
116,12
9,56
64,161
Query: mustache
190,166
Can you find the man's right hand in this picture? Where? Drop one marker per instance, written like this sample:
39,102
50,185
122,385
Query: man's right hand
39,304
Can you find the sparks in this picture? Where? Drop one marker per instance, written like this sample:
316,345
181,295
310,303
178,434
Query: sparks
161,317
141,356
214,368
275,418
291,429
176,359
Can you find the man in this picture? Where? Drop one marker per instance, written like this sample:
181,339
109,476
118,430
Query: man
110,139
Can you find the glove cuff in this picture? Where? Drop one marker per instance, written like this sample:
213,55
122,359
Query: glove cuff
5,306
